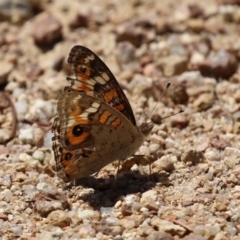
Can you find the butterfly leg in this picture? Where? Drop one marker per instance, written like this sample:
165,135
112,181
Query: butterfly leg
143,160
118,168
140,160
95,174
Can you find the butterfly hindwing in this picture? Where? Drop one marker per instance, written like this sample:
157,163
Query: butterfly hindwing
81,116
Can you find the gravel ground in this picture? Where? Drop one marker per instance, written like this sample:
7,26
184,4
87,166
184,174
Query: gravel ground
193,190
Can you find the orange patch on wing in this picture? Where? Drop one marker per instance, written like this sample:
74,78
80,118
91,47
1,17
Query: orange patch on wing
70,166
108,96
77,140
116,122
79,120
84,88
119,107
83,77
104,117
75,115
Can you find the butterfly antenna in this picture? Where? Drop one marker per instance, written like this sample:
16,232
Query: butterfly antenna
164,92
180,111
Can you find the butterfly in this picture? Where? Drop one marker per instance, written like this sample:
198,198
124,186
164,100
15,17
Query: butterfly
95,124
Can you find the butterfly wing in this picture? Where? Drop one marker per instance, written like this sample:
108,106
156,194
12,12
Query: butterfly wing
88,135
93,112
94,78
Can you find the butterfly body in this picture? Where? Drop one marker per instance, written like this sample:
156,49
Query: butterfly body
95,123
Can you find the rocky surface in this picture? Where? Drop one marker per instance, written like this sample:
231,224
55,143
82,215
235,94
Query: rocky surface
192,190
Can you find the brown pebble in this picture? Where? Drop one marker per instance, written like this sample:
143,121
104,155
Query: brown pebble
219,65
219,143
192,156
46,29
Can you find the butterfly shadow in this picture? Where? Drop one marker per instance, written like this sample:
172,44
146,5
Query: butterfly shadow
107,191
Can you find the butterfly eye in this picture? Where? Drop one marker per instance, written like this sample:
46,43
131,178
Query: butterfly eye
77,130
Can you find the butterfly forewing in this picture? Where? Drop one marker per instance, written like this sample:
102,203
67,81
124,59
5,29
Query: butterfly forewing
94,78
